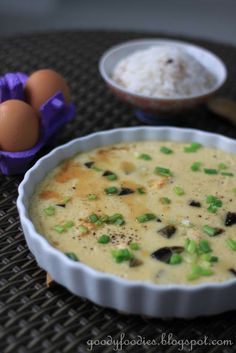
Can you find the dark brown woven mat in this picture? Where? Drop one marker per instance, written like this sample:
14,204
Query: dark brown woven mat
32,317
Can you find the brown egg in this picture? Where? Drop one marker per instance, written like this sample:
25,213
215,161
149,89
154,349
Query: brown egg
42,85
19,126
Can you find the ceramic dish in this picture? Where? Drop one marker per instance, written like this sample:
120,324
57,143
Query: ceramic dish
106,289
149,107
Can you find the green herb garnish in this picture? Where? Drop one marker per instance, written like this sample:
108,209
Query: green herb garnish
204,246
116,219
231,244
222,166
163,171
211,231
166,150
145,157
141,191
196,166
175,259
178,190
83,229
104,239
92,197
193,147
210,171
165,200
134,246
49,211
214,203
59,228
72,256
93,218
111,190
191,246
198,271
227,174
146,217
121,255
111,177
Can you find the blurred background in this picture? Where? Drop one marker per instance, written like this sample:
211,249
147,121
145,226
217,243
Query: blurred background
210,19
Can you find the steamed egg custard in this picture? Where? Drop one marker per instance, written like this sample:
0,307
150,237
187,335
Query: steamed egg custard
162,212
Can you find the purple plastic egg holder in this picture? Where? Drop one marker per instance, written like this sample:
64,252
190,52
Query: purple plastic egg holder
54,113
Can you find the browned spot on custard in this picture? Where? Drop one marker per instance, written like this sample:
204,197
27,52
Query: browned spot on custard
69,170
159,183
128,167
130,184
49,194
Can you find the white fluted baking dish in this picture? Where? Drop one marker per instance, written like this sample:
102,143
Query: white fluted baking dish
108,290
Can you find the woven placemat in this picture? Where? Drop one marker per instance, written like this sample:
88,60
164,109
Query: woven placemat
34,318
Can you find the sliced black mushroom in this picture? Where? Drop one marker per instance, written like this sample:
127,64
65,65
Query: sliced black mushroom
89,164
164,254
194,203
107,173
159,220
135,262
125,191
233,271
167,231
61,205
230,219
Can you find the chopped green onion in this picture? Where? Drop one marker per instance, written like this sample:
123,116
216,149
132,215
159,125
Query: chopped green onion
141,191
49,211
69,224
145,157
212,209
190,246
134,246
178,190
163,171
231,244
193,147
198,271
93,218
214,259
111,177
210,171
146,217
66,199
175,259
83,229
204,246
72,256
116,219
121,255
222,166
97,169
165,200
234,190
111,190
227,174
59,228
213,200
92,197
166,150
196,166
104,239
211,231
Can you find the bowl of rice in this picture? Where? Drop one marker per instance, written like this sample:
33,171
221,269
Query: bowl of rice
161,77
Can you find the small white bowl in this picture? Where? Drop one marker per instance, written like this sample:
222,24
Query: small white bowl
136,297
160,105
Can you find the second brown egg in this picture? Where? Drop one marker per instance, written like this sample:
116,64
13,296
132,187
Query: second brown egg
42,85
